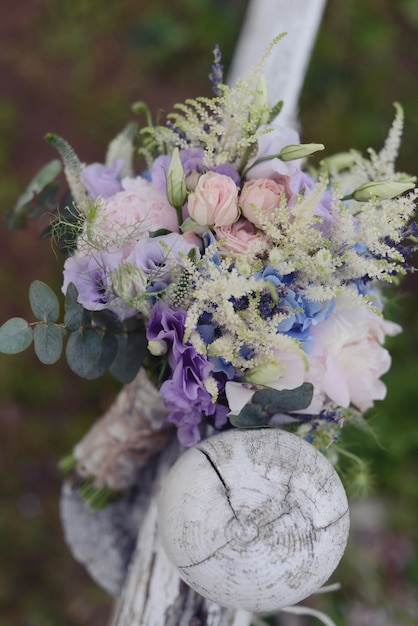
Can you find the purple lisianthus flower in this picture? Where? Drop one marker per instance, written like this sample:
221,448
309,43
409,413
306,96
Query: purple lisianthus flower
102,180
167,324
91,275
184,393
227,170
158,256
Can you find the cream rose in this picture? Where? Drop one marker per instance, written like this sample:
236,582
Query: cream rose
260,197
214,202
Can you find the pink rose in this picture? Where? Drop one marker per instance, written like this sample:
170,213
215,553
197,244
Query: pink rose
347,359
237,237
214,202
138,209
259,198
270,144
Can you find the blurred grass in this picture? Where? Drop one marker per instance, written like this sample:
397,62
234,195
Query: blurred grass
74,68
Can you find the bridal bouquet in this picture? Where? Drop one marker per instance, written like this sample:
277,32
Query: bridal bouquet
245,283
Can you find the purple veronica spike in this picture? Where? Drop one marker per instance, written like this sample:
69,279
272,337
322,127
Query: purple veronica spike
217,74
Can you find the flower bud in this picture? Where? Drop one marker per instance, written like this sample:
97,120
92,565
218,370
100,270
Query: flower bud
381,190
157,347
190,225
299,151
129,281
176,181
139,107
340,161
265,374
192,180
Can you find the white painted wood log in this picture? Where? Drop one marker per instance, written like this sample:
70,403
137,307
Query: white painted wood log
263,523
153,594
285,69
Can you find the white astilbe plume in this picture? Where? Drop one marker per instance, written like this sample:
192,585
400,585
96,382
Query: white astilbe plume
226,126
380,165
216,287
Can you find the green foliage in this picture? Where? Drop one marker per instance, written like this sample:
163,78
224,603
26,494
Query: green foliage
285,401
97,342
41,188
132,349
95,497
251,416
44,303
267,402
48,340
87,353
73,317
15,336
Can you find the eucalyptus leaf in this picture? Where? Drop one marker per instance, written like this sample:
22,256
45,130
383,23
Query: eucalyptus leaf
48,342
46,198
83,351
87,317
24,207
285,401
71,297
73,317
251,416
132,350
107,321
43,301
90,353
15,336
109,348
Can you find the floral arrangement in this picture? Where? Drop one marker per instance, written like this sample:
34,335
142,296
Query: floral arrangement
244,283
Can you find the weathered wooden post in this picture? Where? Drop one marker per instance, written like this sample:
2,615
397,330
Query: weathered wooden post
153,594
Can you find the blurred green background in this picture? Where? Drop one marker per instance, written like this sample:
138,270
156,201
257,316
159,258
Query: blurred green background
73,67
